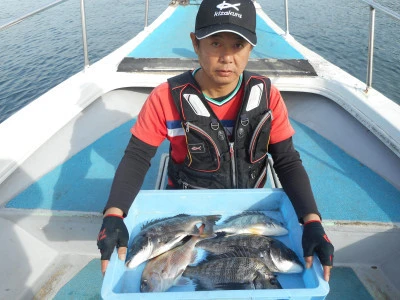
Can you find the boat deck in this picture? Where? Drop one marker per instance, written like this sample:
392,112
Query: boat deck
274,59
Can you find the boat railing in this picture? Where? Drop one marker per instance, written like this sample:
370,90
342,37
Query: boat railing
373,6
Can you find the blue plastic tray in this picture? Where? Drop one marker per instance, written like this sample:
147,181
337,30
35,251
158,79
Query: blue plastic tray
123,283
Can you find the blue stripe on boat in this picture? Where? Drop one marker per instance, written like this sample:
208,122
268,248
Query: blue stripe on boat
183,21
344,189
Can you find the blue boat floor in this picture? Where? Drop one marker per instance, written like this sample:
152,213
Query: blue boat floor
344,284
337,179
175,32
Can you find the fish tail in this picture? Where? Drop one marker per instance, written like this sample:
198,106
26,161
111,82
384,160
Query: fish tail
217,228
209,222
205,234
188,272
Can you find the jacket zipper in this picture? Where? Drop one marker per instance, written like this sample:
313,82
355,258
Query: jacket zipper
233,163
255,135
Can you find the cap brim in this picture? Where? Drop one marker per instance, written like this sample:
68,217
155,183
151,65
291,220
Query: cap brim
210,30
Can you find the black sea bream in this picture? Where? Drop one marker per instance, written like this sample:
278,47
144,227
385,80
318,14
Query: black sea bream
161,235
232,273
275,254
254,222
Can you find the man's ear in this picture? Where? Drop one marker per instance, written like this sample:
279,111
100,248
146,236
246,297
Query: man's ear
195,42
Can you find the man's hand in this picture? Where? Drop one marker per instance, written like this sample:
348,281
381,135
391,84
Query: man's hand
316,240
113,233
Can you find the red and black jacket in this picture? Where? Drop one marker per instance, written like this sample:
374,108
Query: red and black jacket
215,159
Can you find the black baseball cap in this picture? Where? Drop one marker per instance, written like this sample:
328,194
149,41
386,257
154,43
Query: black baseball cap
237,16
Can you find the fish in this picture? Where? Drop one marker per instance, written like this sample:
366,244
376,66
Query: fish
161,235
254,222
231,273
275,254
164,271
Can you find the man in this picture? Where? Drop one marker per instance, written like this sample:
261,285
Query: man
231,119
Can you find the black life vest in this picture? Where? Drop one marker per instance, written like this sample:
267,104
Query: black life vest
213,161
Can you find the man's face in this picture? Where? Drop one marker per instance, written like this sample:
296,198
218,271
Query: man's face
222,57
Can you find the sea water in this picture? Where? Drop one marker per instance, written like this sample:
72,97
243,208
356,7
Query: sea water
44,50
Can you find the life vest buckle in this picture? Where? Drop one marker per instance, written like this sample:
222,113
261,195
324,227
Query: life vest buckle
214,124
244,120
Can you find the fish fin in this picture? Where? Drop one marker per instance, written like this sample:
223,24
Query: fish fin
182,281
211,256
181,215
213,218
234,286
155,221
205,234
266,281
179,280
193,257
209,222
275,281
242,214
221,234
200,286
